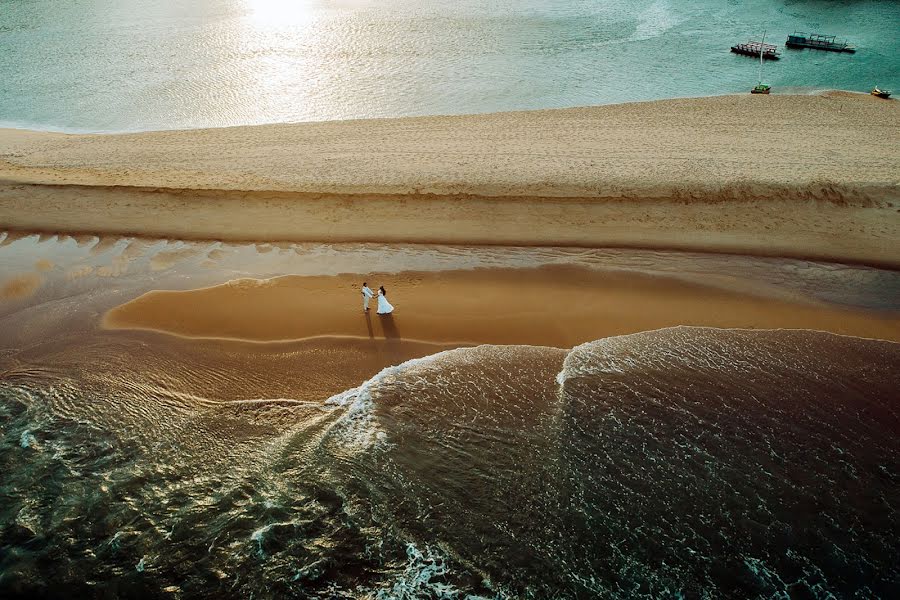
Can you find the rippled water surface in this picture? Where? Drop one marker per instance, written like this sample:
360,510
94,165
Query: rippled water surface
685,462
103,65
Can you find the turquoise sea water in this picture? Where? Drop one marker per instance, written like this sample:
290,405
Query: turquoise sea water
103,65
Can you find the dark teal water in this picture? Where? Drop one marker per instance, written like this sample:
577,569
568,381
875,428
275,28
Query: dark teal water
681,463
103,65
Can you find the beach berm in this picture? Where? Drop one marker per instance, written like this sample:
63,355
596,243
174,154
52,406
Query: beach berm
803,176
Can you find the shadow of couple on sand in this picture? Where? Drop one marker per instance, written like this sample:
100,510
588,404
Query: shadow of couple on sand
388,326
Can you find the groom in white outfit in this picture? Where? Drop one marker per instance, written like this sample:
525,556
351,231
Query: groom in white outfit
367,295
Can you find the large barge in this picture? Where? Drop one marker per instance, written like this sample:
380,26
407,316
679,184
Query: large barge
768,51
817,41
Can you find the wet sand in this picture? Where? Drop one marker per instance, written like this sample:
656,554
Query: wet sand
292,324
795,176
551,306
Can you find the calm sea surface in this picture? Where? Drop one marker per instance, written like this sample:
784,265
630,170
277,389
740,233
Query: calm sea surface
103,65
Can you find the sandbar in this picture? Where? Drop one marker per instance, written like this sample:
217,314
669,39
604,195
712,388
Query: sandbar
548,306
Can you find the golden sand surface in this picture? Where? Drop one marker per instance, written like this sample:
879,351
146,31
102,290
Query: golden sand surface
549,306
802,176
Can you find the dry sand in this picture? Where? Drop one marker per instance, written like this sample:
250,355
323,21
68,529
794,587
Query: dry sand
556,306
803,176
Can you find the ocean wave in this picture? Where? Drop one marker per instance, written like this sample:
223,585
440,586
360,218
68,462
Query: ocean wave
646,464
357,428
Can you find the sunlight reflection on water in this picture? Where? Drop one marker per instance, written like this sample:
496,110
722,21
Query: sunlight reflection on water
104,66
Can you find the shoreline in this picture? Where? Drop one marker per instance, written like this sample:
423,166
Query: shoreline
12,125
791,176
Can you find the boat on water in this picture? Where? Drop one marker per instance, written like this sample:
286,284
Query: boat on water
760,87
753,49
876,91
818,41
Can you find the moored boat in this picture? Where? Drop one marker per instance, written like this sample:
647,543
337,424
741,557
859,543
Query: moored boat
818,41
760,87
753,49
876,91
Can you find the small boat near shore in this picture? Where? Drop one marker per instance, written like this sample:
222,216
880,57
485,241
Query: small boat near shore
876,91
817,41
754,49
760,87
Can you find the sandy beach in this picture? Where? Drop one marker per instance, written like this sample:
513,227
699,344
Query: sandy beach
792,176
641,345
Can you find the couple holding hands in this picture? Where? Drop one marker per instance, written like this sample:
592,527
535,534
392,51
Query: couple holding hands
384,307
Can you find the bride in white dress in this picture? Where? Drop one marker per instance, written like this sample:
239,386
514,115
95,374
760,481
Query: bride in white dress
384,307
